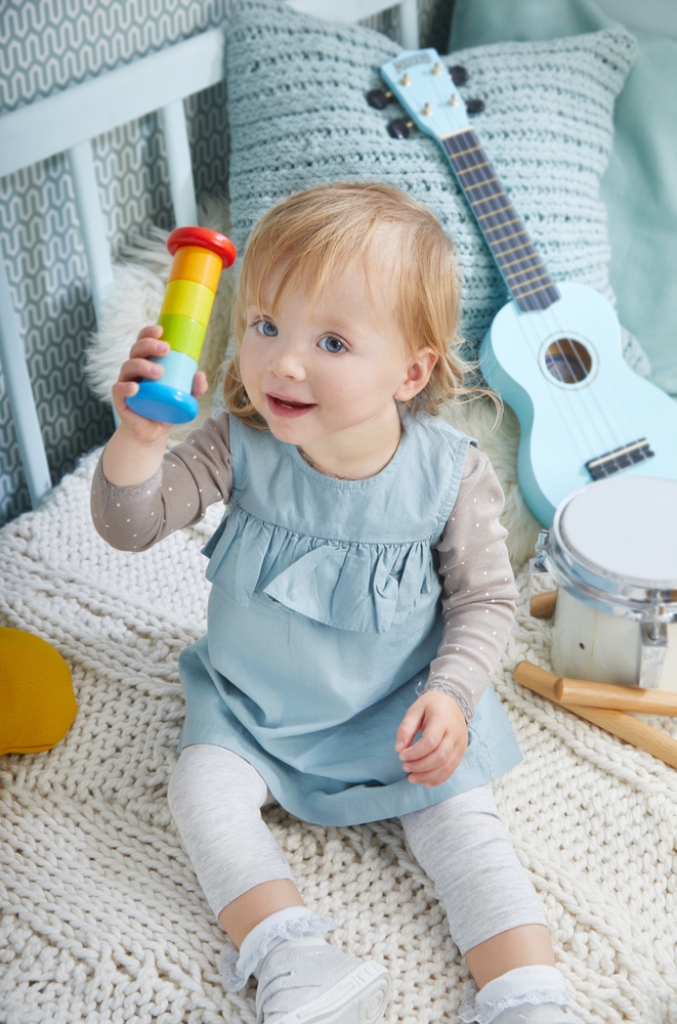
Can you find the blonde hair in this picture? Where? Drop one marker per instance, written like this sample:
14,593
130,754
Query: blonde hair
315,234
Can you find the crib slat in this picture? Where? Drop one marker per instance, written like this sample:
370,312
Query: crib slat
20,395
55,124
92,224
357,10
409,24
179,163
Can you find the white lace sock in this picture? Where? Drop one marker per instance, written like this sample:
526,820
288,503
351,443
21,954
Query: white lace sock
518,995
292,923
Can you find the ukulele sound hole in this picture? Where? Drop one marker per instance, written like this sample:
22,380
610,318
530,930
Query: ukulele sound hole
568,361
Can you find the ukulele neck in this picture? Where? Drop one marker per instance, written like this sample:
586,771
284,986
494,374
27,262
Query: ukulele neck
523,270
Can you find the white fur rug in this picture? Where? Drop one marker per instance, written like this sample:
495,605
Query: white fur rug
102,918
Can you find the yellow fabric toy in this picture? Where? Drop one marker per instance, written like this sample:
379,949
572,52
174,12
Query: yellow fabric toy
37,703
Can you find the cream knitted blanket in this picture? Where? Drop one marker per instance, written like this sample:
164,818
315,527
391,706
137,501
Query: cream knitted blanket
102,917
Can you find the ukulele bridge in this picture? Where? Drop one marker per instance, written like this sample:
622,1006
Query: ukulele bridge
620,458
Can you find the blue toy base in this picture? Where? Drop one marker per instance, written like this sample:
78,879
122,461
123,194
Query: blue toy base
163,403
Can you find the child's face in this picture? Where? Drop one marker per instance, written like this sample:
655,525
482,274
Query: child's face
327,371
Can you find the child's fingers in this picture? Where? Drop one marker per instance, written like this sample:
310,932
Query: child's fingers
140,364
409,726
435,777
125,389
139,369
150,331
148,345
145,430
437,767
430,740
200,385
436,759
121,391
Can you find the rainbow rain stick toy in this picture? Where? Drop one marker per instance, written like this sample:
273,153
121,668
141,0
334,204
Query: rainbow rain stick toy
199,257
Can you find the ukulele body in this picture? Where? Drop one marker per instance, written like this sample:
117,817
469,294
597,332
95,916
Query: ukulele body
562,371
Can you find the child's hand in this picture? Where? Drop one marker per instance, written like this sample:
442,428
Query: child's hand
139,367
437,754
135,450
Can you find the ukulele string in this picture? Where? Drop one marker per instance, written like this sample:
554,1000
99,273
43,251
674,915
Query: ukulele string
550,313
606,420
469,179
570,398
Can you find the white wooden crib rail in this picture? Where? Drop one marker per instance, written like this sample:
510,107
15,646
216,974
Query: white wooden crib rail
67,122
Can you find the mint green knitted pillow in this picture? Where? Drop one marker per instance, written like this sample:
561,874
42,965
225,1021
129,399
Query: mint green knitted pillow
298,117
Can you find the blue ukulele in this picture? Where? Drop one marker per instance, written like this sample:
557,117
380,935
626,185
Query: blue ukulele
554,352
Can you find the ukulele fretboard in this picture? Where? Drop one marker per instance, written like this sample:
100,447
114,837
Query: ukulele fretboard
523,270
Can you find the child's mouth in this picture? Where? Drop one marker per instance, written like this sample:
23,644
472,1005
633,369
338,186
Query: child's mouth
288,407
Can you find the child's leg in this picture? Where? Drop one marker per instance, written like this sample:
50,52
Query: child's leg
495,915
215,797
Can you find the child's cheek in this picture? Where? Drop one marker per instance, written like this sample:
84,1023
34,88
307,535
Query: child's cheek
248,363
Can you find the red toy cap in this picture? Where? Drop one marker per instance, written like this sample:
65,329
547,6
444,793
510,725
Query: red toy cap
204,238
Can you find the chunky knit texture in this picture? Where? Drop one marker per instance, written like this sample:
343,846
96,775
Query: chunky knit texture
102,917
298,117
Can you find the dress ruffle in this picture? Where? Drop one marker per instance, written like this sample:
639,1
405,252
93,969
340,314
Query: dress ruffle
360,587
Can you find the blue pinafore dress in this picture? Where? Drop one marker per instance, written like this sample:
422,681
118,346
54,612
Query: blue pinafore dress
324,615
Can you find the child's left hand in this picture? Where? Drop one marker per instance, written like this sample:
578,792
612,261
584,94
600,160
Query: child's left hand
437,754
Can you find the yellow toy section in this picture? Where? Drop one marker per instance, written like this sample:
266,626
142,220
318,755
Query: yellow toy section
37,702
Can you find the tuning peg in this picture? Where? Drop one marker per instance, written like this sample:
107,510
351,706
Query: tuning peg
379,99
399,128
458,74
474,106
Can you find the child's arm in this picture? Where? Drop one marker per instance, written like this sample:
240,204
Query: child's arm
479,593
140,493
478,606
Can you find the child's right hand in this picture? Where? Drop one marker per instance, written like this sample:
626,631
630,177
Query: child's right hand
135,450
139,367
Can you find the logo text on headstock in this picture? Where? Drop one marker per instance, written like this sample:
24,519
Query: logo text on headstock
422,57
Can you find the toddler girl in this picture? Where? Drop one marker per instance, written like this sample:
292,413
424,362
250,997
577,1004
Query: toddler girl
361,598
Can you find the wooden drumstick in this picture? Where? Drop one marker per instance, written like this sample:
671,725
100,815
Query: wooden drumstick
536,679
600,695
619,723
616,698
542,605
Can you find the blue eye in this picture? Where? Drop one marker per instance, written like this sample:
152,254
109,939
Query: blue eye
331,344
267,328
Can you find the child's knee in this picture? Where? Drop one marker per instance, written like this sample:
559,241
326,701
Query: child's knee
464,848
210,777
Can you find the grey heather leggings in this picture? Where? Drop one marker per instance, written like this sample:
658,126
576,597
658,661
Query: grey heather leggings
215,797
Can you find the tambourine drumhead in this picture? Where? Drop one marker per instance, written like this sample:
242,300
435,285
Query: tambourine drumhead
624,528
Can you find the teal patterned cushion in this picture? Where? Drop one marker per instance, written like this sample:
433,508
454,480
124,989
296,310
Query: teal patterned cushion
298,117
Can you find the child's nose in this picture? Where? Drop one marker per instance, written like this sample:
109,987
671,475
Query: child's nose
287,360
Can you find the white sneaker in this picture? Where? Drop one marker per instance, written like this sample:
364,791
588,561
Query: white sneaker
307,981
543,1013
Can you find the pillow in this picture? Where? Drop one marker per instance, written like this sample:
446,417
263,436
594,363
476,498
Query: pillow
640,186
298,117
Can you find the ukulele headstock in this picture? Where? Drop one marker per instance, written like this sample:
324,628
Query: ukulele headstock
422,84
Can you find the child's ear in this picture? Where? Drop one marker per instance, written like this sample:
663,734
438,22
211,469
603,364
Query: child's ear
418,374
